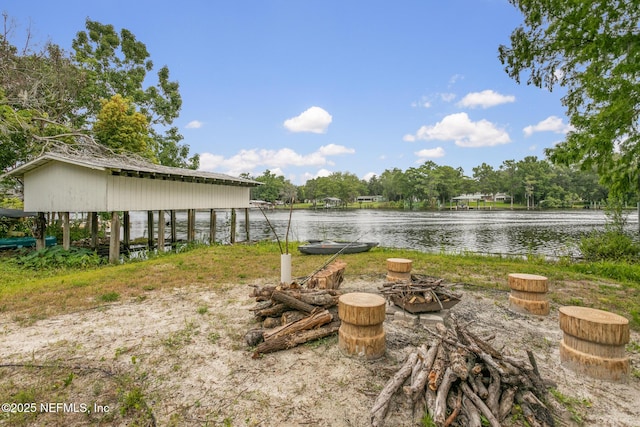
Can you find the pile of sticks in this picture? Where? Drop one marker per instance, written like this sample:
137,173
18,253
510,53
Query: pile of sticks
460,378
290,316
420,290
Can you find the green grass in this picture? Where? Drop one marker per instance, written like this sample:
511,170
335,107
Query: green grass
28,293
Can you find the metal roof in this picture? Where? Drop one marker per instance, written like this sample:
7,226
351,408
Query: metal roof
120,166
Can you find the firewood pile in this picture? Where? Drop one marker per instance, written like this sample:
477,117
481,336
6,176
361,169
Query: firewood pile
460,379
291,315
421,294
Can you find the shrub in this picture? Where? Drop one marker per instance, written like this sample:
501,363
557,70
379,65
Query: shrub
610,245
56,257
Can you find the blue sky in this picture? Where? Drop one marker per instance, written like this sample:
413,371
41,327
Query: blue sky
305,88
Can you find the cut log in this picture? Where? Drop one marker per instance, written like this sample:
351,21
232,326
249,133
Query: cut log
528,293
480,388
421,379
456,410
493,422
493,392
292,316
534,411
315,319
295,339
438,368
273,310
593,343
254,337
291,302
399,265
330,277
440,412
381,404
398,269
472,413
458,362
362,332
271,322
506,403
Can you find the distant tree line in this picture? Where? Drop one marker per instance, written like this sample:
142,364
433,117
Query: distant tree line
529,181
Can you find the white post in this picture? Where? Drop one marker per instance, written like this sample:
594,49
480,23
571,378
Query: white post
285,269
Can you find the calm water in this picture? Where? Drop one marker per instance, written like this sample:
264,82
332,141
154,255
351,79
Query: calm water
550,233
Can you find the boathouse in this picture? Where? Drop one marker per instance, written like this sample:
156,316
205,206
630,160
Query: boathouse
64,183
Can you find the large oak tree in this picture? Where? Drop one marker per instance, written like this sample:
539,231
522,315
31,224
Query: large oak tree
591,49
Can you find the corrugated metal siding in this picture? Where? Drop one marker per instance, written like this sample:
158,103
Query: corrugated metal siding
137,194
57,187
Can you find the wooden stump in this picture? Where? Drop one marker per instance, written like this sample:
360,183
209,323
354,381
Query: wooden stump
329,277
529,293
593,343
398,269
361,332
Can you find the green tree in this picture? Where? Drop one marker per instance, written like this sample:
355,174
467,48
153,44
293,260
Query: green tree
38,99
508,178
591,49
120,127
448,182
394,184
488,180
117,63
271,189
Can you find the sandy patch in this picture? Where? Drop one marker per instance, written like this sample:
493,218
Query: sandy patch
184,351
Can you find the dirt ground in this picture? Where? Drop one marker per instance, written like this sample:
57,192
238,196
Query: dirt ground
178,358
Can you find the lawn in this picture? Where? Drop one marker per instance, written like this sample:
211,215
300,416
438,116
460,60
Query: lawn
31,294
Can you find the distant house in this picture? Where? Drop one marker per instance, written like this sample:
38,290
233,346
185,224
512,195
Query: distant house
502,197
261,204
332,202
369,199
468,198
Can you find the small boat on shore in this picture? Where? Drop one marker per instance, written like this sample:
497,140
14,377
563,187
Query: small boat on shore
326,247
24,242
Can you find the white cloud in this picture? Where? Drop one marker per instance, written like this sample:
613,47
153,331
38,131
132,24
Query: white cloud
430,153
194,124
334,150
485,99
550,124
274,160
409,138
369,175
314,120
464,132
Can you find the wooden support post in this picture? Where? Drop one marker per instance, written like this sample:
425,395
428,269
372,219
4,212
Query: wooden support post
114,240
94,229
160,231
174,233
246,224
190,225
41,231
127,229
66,231
233,226
150,229
212,227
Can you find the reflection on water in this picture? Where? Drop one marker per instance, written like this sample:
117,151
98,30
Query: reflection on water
550,233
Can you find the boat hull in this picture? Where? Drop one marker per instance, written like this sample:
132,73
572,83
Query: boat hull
329,248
